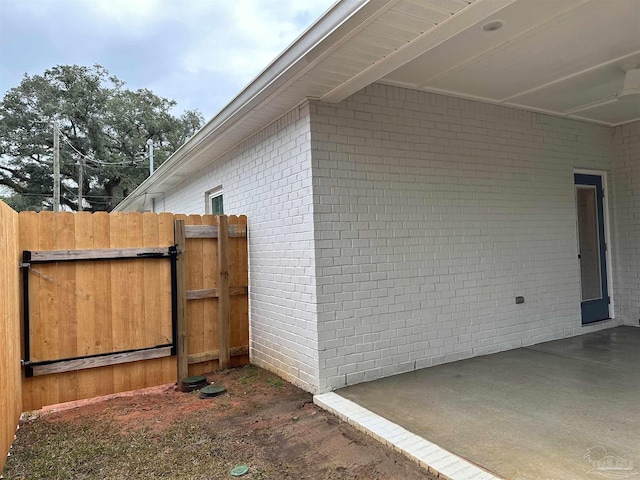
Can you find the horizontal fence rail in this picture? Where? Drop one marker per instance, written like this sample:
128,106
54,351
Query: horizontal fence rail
101,360
211,231
93,255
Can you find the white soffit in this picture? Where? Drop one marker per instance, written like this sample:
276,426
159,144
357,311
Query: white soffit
565,57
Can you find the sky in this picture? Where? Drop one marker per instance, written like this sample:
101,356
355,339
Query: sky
200,53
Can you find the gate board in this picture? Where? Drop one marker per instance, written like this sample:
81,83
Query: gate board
89,308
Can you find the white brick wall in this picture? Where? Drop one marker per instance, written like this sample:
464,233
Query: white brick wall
425,217
432,213
268,178
626,173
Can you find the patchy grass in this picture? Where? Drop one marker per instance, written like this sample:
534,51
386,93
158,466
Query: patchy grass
261,421
275,382
95,449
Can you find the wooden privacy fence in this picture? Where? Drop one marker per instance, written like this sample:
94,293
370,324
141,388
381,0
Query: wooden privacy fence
110,298
10,377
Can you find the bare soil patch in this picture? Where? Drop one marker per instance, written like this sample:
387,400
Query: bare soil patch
262,422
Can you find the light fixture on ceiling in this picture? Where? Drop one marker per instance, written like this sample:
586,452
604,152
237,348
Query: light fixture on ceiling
631,84
630,87
493,25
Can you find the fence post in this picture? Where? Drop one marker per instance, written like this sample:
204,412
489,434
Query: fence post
181,277
224,333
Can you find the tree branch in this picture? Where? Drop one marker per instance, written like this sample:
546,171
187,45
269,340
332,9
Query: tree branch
16,187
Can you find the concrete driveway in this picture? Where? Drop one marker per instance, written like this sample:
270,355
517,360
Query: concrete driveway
568,409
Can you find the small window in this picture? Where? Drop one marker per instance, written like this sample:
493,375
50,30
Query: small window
215,202
217,205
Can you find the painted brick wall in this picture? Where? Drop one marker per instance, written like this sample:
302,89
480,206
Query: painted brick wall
626,175
432,213
268,178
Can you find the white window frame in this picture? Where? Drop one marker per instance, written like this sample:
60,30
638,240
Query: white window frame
210,195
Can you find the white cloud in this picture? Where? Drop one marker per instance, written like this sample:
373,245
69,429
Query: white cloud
249,36
126,12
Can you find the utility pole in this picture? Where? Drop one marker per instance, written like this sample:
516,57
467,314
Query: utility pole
150,146
56,167
80,183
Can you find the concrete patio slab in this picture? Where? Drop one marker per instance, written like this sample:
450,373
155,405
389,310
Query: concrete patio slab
423,452
566,409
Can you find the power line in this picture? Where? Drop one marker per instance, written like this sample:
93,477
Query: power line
49,195
67,140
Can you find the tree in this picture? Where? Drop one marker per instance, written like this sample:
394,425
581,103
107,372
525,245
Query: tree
104,128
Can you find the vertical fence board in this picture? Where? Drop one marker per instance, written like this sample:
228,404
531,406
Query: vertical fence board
182,349
239,276
42,278
136,287
10,375
209,305
102,309
119,298
167,366
224,336
30,240
195,309
153,277
118,277
85,289
45,340
86,285
66,298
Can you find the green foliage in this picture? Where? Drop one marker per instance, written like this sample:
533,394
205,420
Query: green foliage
103,125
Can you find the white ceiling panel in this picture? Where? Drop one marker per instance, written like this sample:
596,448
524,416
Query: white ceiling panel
473,42
583,89
618,111
553,50
557,56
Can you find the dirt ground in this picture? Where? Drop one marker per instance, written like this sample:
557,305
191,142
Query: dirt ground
262,422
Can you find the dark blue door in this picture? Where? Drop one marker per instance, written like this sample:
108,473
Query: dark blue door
592,248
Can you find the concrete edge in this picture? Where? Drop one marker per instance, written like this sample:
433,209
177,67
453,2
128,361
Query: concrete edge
426,454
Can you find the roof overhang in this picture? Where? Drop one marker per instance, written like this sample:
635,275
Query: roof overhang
563,57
